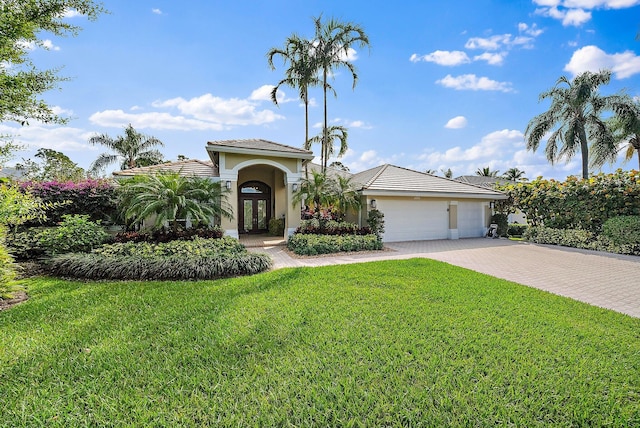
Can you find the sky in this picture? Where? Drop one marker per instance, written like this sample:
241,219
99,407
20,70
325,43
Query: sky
443,85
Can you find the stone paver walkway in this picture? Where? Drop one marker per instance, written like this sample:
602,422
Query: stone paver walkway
607,280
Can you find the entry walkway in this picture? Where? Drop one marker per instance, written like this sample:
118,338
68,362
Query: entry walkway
607,280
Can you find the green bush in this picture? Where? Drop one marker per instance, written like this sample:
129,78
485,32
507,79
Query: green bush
502,220
7,273
76,233
375,220
96,266
25,245
309,244
623,230
516,229
331,227
578,238
276,227
198,247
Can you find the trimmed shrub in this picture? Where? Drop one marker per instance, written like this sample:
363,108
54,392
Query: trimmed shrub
276,227
375,220
578,238
516,229
171,235
316,226
502,220
95,266
623,230
310,244
25,245
76,233
195,247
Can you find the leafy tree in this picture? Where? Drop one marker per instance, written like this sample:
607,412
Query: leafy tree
487,172
515,174
300,75
21,83
332,41
168,197
132,150
448,173
625,126
54,166
7,150
575,113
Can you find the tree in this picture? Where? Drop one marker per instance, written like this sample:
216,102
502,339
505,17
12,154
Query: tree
7,150
487,172
332,42
300,75
132,149
326,138
53,166
575,111
339,166
21,83
345,196
515,174
317,188
625,126
448,173
168,197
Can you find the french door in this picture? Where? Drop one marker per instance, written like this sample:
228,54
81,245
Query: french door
255,207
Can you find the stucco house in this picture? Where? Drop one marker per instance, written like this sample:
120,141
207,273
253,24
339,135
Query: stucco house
262,176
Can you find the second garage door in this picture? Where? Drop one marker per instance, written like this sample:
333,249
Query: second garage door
471,219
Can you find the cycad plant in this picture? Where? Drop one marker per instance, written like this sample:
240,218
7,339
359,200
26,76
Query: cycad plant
167,197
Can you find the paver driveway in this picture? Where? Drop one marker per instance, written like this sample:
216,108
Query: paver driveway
602,279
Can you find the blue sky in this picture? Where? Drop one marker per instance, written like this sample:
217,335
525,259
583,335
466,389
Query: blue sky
445,84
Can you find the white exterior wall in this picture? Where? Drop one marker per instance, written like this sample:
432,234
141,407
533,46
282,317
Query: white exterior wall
471,222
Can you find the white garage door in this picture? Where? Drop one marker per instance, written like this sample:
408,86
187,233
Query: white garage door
470,219
414,220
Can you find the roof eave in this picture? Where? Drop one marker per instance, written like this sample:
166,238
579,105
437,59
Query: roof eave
449,195
270,153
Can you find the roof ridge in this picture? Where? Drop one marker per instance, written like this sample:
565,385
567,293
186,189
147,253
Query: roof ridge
382,167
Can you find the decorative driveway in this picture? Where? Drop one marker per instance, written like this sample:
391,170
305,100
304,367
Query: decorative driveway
607,280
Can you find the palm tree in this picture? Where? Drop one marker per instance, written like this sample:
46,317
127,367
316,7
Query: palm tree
345,196
301,74
625,126
132,149
168,197
487,172
447,173
515,174
332,41
326,138
318,189
576,108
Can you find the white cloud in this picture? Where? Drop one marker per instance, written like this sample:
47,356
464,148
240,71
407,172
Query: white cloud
531,30
263,93
61,138
498,41
349,124
60,111
368,159
48,44
491,58
156,11
152,120
592,58
474,83
31,46
448,58
457,122
577,12
71,13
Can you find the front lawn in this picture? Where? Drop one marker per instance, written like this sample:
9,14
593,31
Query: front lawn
395,343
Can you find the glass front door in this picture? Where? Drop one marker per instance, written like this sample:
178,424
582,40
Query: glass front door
255,203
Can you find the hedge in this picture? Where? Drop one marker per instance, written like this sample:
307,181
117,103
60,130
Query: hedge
578,238
308,244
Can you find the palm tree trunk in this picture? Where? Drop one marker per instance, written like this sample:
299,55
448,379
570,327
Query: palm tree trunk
326,122
306,130
584,150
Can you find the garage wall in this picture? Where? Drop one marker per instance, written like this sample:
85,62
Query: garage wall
413,219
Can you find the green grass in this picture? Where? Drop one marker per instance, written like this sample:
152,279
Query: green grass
396,343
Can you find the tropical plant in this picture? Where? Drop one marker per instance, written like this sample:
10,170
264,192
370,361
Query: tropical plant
487,172
447,173
317,188
165,198
345,196
339,166
625,126
576,114
132,150
52,166
326,139
76,233
515,174
300,75
332,42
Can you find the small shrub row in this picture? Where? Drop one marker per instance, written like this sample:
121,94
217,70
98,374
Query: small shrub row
199,247
316,226
98,267
623,230
310,244
578,238
516,229
25,245
170,235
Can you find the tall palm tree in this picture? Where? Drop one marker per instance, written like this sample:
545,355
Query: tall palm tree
625,126
332,41
487,172
301,74
132,149
168,197
515,174
326,138
575,111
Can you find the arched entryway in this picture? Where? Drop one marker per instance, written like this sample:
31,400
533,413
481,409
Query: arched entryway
254,206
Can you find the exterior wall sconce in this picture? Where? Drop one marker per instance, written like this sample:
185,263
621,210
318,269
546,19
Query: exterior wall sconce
228,185
295,187
492,204
373,204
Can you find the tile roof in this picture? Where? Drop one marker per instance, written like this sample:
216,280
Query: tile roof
391,178
258,144
190,167
479,180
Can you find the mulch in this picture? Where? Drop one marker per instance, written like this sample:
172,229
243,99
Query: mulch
18,297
